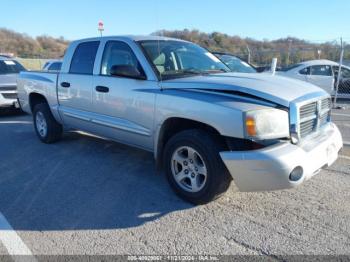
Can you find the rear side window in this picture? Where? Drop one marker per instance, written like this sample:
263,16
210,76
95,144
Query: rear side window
46,64
55,66
84,58
321,70
10,67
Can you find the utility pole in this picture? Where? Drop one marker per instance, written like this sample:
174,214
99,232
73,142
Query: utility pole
339,73
289,50
249,53
273,66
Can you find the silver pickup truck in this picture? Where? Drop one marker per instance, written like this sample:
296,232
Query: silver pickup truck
204,124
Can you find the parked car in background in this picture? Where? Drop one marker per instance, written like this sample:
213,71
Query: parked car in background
204,124
9,69
235,63
52,66
323,73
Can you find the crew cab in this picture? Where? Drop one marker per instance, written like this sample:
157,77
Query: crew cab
205,125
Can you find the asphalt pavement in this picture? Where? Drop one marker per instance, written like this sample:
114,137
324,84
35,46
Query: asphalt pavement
86,195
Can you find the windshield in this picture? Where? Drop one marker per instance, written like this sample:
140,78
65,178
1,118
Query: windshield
236,64
174,59
10,67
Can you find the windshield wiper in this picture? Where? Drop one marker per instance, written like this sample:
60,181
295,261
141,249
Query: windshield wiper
213,71
187,72
194,71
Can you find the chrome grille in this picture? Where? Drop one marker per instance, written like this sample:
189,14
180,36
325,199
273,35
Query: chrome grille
324,119
326,104
308,110
307,127
313,115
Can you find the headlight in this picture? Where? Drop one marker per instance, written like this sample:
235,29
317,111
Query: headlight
266,124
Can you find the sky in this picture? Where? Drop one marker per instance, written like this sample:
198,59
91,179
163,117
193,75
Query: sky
312,20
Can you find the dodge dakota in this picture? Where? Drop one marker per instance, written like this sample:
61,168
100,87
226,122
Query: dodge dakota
205,125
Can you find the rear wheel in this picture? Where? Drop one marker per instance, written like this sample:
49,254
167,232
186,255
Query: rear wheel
46,126
194,168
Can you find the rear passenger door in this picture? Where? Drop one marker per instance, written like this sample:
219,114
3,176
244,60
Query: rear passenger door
75,86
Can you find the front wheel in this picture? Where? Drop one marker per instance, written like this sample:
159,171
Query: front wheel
194,168
46,126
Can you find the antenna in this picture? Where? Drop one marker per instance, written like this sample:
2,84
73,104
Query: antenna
158,40
160,73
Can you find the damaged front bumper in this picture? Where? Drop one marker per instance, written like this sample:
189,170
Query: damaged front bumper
272,168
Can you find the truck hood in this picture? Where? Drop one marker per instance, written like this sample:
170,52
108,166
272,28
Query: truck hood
277,89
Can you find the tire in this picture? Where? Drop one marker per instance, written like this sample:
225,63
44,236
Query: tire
195,187
46,127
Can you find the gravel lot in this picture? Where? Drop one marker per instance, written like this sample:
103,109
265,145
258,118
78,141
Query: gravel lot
85,195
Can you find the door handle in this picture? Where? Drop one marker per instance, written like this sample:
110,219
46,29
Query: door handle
102,89
65,84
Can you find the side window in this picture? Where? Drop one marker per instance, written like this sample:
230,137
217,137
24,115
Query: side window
118,53
84,58
55,66
321,70
305,71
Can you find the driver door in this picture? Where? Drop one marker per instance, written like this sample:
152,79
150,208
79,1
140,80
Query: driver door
123,107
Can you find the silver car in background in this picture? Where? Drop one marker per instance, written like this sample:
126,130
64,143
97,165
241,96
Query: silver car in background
9,69
322,73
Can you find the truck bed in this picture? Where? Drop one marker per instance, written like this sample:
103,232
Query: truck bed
39,82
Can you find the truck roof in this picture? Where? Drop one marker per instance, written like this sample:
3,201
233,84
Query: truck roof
132,38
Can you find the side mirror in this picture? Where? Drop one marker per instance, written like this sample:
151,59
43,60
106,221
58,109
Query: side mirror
127,71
